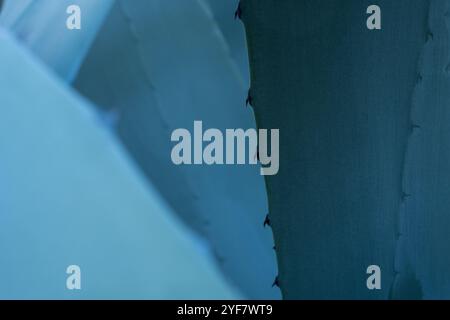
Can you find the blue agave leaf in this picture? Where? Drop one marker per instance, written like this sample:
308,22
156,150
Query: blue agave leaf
423,258
69,195
114,78
139,68
12,10
233,32
41,25
353,184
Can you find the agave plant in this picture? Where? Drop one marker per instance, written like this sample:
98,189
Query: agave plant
86,176
71,195
187,78
101,188
363,118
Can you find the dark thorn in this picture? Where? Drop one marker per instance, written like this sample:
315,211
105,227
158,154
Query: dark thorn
415,127
419,78
276,282
430,35
267,221
405,196
249,100
238,13
274,248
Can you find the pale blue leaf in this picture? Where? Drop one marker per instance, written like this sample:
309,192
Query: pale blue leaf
41,26
166,62
70,195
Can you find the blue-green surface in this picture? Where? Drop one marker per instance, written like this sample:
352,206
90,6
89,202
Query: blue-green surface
341,96
71,195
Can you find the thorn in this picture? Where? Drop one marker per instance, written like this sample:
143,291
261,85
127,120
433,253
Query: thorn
276,282
405,196
430,35
249,100
419,78
415,127
238,13
267,221
274,248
